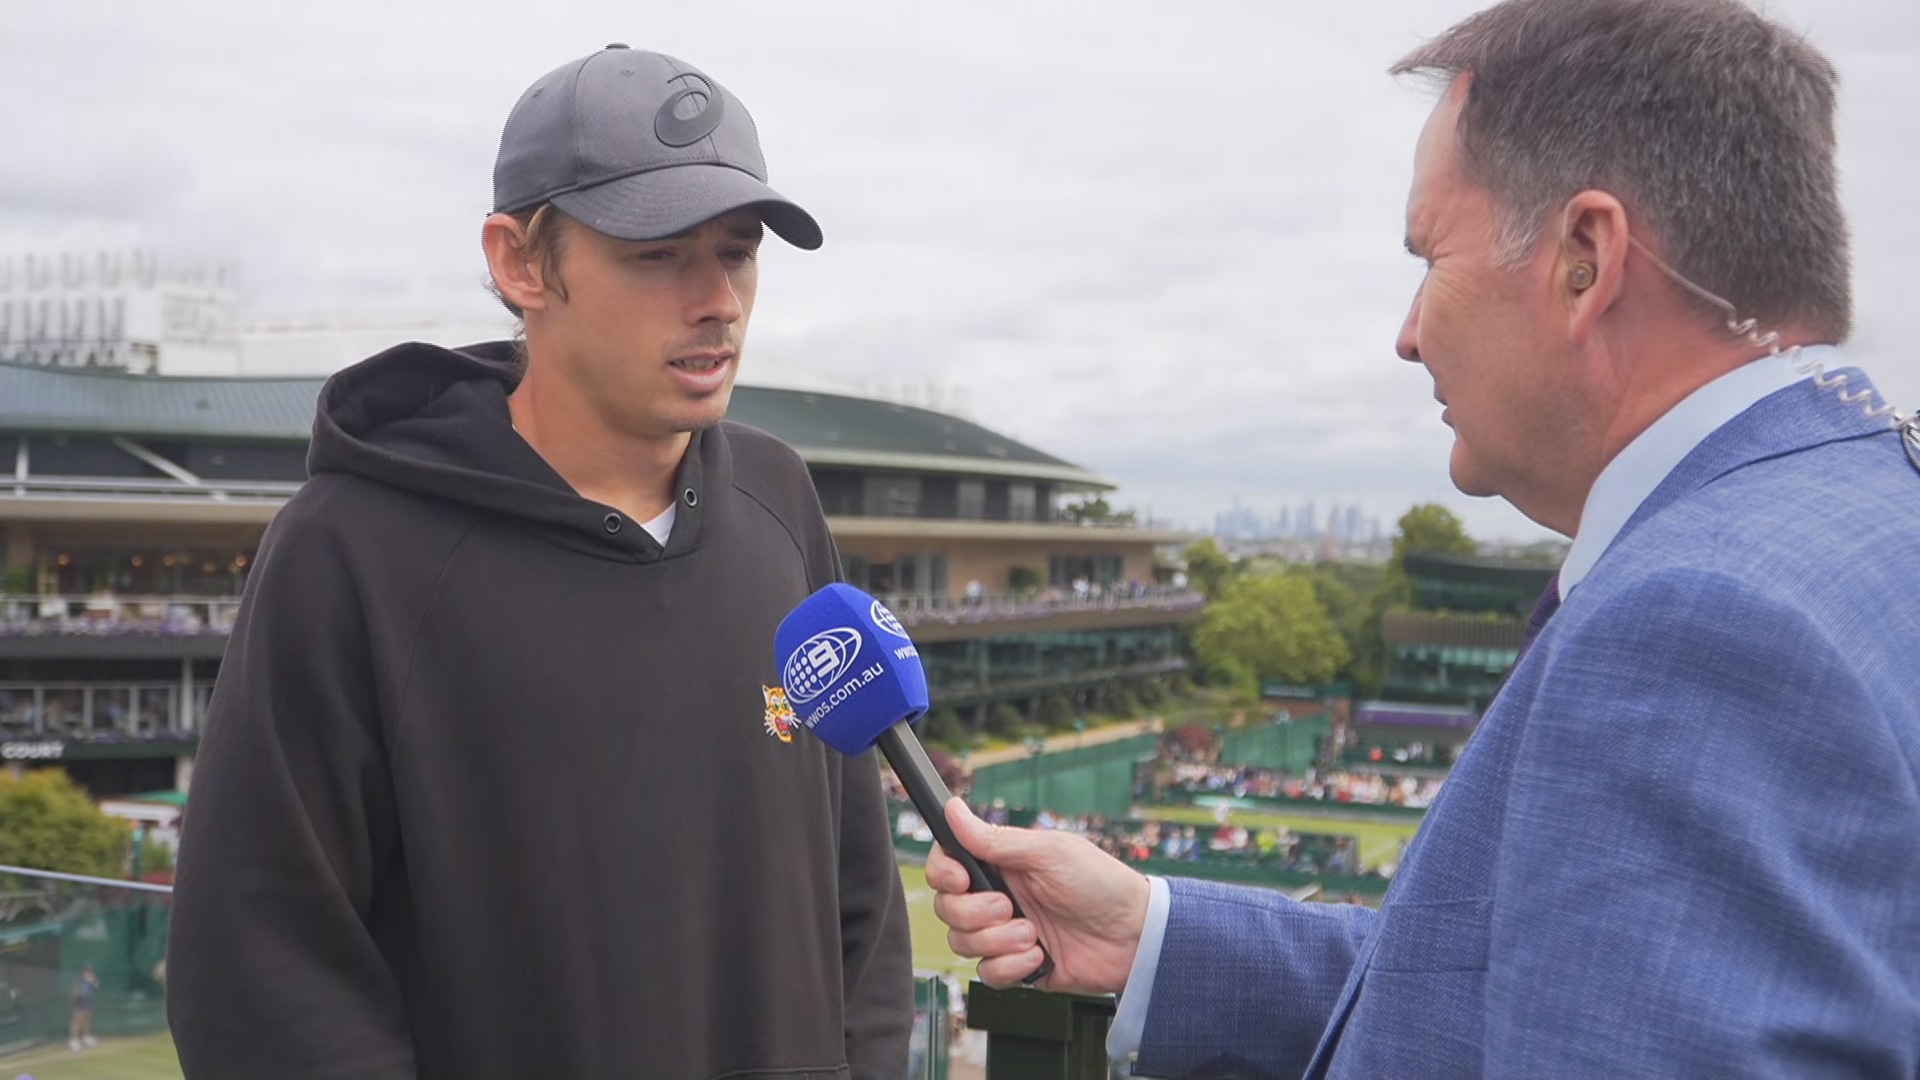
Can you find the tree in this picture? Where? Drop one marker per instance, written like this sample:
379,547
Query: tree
1094,510
1208,568
155,857
1004,721
943,727
17,580
1269,625
1123,702
1056,713
1354,595
1430,527
48,823
1152,693
1023,579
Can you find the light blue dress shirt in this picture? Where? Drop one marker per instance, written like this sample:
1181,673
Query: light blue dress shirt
1640,467
1622,486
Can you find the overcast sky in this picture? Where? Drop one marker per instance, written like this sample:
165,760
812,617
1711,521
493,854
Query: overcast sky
1162,240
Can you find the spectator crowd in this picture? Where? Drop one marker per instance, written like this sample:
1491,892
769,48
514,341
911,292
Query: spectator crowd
1367,788
1138,841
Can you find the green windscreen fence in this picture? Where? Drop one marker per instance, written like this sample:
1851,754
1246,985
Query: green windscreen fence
50,931
1085,780
1289,746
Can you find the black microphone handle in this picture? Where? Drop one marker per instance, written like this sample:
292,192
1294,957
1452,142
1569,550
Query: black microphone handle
929,794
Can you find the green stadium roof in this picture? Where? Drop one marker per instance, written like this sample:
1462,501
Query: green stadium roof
72,402
827,429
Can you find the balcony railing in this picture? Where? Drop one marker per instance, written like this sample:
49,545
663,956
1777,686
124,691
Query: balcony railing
921,609
134,487
108,616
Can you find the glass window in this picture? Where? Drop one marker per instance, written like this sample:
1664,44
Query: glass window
996,500
113,709
1020,502
840,491
892,496
972,500
157,711
59,455
854,567
239,461
17,714
922,573
66,714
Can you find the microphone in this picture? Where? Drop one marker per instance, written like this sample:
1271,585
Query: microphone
853,678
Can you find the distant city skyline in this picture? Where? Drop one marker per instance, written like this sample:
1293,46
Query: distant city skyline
1342,522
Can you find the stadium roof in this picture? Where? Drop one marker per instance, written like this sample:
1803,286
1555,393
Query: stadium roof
827,429
50,401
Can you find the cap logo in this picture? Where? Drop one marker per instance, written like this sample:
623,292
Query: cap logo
677,130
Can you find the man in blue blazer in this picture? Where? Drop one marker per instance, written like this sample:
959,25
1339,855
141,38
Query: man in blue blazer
1685,840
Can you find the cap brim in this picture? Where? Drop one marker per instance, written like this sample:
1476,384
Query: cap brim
667,202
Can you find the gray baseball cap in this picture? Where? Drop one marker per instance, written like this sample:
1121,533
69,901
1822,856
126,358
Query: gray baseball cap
638,146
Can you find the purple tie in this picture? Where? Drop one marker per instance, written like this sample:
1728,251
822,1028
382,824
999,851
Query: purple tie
1542,611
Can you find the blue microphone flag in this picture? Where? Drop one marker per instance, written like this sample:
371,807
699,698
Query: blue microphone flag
848,667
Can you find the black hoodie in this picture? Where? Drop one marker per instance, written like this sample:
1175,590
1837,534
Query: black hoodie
489,786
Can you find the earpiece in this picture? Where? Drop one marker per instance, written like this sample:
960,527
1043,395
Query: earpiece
1582,276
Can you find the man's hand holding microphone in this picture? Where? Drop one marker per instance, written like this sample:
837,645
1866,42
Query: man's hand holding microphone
1087,906
1042,908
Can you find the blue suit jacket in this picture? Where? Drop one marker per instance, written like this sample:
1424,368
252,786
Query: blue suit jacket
1685,840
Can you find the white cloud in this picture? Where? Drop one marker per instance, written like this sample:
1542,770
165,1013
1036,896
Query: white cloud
1162,240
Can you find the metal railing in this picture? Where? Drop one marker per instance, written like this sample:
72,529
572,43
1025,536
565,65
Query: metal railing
94,487
84,879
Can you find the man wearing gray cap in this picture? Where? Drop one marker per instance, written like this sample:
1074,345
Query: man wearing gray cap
498,780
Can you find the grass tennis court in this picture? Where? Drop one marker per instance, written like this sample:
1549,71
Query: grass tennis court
151,1057
1379,837
1379,842
147,1057
930,952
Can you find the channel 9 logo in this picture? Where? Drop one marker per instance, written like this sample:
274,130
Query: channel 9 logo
819,662
885,620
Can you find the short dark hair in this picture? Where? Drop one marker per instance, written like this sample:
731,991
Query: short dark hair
1711,124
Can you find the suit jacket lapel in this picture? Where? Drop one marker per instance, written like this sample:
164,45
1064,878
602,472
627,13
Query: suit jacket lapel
1799,417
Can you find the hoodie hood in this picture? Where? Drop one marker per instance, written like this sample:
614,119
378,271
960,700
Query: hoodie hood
434,422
